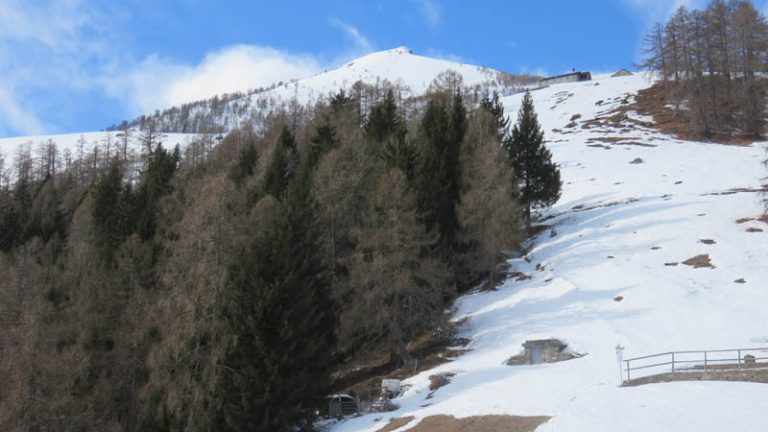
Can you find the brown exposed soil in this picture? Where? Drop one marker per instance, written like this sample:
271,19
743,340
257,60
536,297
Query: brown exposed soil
489,423
430,351
440,380
617,140
652,102
699,261
763,219
396,423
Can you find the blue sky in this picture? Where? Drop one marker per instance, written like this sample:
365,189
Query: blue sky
79,65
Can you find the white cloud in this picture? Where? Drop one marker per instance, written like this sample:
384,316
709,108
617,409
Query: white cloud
654,11
20,120
44,45
159,83
361,43
430,11
50,48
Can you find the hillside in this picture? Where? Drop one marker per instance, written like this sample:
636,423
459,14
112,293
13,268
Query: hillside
634,203
411,74
607,268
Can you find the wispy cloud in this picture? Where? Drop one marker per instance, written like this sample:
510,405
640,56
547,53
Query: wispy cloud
157,83
64,47
430,11
19,119
361,43
659,10
434,53
45,44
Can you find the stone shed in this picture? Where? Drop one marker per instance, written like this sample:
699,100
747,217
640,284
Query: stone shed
622,73
542,351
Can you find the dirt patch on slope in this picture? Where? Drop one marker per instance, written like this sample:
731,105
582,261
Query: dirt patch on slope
489,423
653,102
396,423
699,261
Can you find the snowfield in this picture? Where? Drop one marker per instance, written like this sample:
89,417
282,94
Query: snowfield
615,227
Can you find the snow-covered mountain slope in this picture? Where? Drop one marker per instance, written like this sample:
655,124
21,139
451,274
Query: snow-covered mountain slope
399,66
616,227
411,74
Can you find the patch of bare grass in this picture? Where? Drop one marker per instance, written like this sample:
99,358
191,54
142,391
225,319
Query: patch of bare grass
396,423
440,380
699,261
488,423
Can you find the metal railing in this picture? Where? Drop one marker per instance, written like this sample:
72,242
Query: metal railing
364,400
695,361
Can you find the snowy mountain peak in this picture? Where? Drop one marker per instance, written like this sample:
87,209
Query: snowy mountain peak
402,50
412,74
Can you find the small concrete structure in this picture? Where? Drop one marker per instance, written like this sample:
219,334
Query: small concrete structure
569,77
542,351
621,73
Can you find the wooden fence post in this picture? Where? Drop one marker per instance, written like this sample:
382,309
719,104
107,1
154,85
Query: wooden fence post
628,378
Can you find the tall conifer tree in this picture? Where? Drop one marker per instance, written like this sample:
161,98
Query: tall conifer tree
538,177
438,169
279,311
281,167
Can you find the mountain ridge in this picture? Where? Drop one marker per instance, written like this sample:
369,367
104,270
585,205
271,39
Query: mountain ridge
398,68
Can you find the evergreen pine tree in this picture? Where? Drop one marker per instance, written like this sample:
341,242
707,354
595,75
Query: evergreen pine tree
386,131
438,169
340,101
384,121
107,193
246,164
323,141
278,309
155,183
495,108
538,177
282,165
